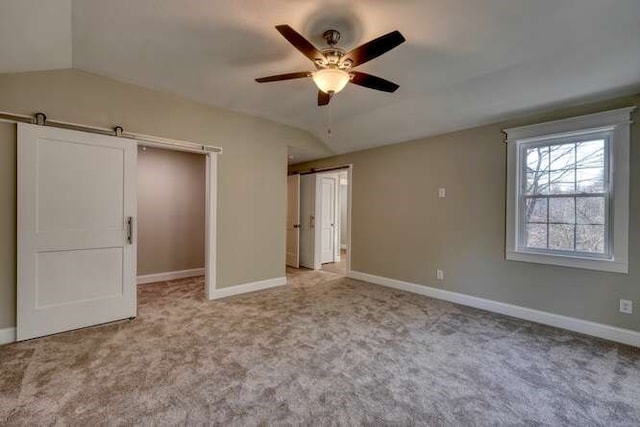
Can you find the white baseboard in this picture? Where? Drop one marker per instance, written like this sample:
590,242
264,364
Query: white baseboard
170,275
7,335
248,287
600,330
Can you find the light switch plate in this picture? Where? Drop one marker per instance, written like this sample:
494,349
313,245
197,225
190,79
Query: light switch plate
626,306
442,193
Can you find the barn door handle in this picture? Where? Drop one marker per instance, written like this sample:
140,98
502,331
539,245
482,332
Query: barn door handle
130,230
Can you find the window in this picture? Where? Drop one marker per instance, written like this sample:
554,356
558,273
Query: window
567,192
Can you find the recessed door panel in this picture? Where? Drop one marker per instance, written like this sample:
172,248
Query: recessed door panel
79,186
66,277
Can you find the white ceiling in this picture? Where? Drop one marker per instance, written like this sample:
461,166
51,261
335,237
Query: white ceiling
466,62
35,35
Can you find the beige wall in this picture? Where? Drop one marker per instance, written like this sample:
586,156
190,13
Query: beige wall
252,169
401,229
171,210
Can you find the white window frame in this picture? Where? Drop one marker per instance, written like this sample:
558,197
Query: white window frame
617,123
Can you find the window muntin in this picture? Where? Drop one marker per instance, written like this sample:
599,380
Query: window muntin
564,196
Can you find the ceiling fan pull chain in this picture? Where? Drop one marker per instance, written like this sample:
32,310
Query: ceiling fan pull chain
329,122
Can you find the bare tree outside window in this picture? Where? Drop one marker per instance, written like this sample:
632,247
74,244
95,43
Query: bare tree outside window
565,195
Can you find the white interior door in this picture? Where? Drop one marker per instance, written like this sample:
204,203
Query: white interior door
76,248
328,219
293,221
307,220
341,214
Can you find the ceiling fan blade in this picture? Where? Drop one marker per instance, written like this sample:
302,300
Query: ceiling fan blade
323,98
300,43
287,76
375,48
373,82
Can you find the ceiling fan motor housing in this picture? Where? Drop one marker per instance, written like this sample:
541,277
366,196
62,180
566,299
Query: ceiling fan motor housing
333,55
332,37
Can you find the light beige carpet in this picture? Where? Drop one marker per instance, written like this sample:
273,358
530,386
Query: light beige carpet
323,351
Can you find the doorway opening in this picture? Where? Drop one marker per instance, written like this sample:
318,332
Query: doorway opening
319,220
171,224
333,199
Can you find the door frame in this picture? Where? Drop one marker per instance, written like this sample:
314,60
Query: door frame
307,220
211,213
297,223
211,225
317,265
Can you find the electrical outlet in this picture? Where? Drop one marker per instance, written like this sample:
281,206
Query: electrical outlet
442,193
626,306
439,274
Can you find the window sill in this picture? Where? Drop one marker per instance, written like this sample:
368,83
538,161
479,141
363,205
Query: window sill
569,261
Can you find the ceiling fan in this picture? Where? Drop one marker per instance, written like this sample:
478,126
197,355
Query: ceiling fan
334,66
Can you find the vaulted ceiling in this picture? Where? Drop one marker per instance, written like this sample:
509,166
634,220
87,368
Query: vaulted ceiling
465,62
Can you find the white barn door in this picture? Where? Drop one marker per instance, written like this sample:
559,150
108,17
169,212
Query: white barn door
76,245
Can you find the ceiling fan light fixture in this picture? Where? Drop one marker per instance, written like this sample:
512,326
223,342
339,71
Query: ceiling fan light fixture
331,80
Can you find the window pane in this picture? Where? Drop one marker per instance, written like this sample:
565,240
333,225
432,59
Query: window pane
562,156
564,194
562,209
561,236
562,182
590,210
537,183
590,238
536,210
537,236
537,159
590,154
590,180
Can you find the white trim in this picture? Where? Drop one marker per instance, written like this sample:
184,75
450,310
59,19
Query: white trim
568,261
572,124
612,333
211,225
169,275
349,213
317,224
247,287
7,335
618,122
